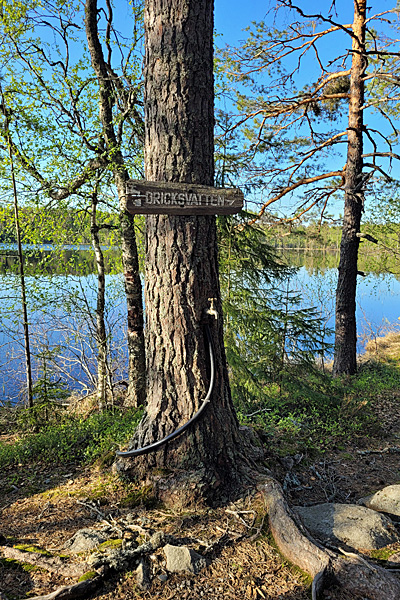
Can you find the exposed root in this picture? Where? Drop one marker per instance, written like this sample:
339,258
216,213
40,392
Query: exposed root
352,573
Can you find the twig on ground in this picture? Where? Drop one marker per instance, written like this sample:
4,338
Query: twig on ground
387,450
237,515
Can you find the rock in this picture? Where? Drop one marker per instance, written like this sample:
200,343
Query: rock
83,540
386,500
394,558
157,540
181,558
143,578
356,526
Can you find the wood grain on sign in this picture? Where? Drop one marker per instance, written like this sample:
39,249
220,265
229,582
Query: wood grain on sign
148,197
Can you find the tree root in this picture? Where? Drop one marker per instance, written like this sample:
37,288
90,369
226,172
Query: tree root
352,573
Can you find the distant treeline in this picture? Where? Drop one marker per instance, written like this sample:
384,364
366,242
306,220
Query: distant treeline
379,246
42,225
63,226
325,236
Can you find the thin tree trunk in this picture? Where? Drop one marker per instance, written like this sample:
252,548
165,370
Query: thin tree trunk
182,263
133,286
345,360
136,395
101,333
28,362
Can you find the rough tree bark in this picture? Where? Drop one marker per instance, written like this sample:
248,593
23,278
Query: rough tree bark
133,286
345,326
182,263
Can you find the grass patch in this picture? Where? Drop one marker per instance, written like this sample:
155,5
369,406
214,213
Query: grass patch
76,439
307,410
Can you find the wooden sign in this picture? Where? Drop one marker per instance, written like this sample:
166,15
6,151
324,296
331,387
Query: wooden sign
149,198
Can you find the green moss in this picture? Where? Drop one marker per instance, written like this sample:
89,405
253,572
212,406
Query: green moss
384,553
110,544
303,575
27,548
55,493
29,568
87,576
100,490
269,538
143,496
161,472
10,563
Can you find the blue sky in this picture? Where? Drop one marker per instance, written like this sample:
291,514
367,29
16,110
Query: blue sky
231,16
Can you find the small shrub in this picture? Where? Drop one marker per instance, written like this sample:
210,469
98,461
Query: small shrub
73,440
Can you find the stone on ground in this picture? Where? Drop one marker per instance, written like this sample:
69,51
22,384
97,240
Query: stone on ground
355,526
83,540
143,578
181,558
386,500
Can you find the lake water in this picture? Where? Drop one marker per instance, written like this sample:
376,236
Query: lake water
62,311
378,294
61,324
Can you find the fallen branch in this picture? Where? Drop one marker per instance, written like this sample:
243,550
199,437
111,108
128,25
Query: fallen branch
352,573
54,564
71,592
387,450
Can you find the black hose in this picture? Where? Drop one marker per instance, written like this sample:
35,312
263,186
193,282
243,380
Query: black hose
156,445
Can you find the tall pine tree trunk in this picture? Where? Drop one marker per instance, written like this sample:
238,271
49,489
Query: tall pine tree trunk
182,262
345,360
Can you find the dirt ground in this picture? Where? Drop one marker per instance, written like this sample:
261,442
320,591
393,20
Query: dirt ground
42,507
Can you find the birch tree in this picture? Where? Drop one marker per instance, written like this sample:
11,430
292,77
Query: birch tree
72,121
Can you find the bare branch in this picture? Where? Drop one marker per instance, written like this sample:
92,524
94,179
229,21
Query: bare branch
291,188
346,28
